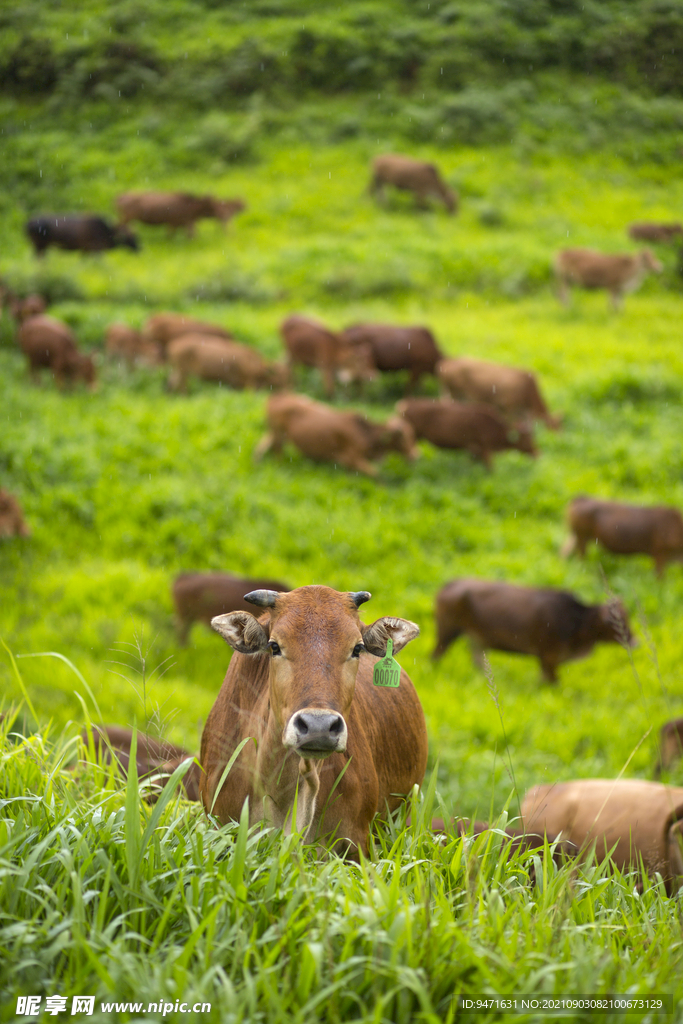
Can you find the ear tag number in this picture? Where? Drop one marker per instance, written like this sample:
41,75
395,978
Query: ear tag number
387,672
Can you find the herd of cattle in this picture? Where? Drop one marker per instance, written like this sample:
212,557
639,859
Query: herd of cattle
329,742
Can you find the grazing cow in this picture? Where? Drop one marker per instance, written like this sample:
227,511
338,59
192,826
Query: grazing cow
210,358
550,624
626,530
628,818
330,435
86,232
310,343
175,209
162,328
670,744
645,231
201,596
22,309
127,344
326,740
515,393
48,343
397,348
152,757
589,269
478,429
12,522
416,176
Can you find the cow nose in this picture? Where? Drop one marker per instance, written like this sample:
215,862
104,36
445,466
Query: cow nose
318,731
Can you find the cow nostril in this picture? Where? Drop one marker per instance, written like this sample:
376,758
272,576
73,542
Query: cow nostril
300,725
337,726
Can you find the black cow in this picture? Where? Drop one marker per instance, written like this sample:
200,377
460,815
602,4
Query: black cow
86,232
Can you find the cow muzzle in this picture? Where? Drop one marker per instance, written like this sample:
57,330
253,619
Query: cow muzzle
314,733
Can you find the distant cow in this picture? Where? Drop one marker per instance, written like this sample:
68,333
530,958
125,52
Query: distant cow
122,342
397,348
327,740
12,523
409,175
200,596
86,232
645,231
670,744
214,359
175,209
162,328
626,530
639,819
476,428
515,393
552,625
152,757
22,309
325,434
310,343
589,269
49,343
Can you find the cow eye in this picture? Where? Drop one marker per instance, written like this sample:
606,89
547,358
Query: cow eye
274,648
355,653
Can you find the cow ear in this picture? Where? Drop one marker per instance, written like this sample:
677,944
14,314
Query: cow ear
399,631
242,631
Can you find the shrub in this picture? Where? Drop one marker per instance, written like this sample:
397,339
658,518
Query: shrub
31,67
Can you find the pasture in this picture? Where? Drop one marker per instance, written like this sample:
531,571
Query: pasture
128,486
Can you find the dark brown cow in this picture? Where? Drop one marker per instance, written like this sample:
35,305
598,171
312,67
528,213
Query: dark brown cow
175,209
310,343
397,348
122,342
409,175
152,757
227,362
325,434
201,596
327,740
49,343
645,231
632,818
84,232
670,744
626,530
162,328
12,523
515,393
589,269
478,429
552,625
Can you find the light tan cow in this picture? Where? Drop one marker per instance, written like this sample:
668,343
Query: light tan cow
410,175
175,209
513,392
617,274
12,522
310,343
214,359
122,342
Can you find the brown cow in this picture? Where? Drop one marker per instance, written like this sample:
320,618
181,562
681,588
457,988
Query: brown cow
310,343
397,348
22,309
201,596
326,739
550,624
325,434
515,393
12,522
152,757
49,343
629,819
589,269
670,744
409,175
478,429
122,342
164,327
626,530
175,209
644,231
209,358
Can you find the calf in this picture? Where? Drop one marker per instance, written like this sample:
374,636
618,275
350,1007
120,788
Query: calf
648,232
48,343
478,429
125,343
327,742
626,530
12,522
175,209
416,176
629,819
325,434
85,232
162,328
515,393
201,596
310,343
550,624
397,348
589,269
214,359
152,757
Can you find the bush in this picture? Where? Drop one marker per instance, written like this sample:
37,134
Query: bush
55,287
224,138
31,67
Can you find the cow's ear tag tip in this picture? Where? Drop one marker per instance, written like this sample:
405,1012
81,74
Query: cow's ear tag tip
387,672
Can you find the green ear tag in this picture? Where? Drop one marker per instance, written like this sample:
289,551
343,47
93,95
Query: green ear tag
387,672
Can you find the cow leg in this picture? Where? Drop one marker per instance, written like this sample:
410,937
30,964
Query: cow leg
177,381
271,441
445,637
183,627
352,460
328,380
569,547
563,292
376,188
477,652
482,455
617,301
660,564
549,670
414,380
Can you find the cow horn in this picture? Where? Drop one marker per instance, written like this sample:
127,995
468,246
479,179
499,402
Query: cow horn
263,598
359,597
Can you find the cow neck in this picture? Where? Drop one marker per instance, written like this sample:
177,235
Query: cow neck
284,777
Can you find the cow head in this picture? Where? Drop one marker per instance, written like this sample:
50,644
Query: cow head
355,363
523,440
399,436
225,209
276,376
126,239
314,640
649,261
